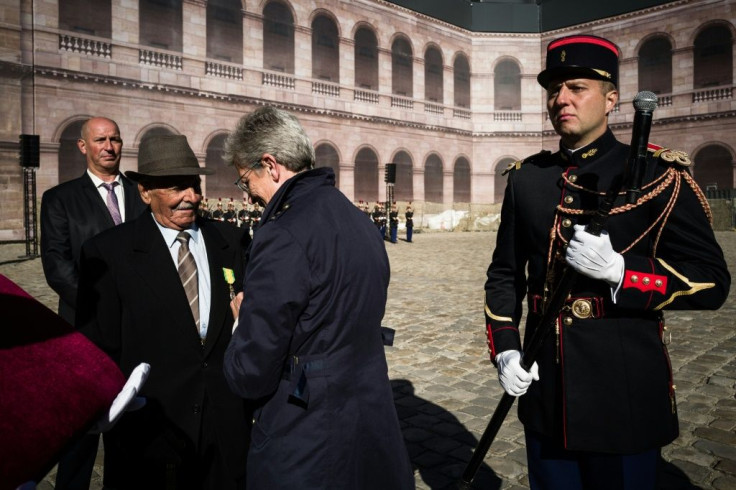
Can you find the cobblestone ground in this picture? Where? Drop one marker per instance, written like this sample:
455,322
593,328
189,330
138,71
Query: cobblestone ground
446,389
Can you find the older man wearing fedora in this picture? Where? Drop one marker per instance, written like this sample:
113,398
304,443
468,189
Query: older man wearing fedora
157,290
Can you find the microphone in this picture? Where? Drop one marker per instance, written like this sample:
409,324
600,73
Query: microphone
645,103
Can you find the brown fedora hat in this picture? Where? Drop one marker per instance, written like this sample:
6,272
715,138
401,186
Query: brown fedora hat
166,156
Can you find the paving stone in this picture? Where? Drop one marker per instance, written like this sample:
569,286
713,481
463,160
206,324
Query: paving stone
718,449
713,434
725,482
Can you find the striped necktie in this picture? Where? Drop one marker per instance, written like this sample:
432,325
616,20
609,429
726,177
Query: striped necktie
188,274
112,202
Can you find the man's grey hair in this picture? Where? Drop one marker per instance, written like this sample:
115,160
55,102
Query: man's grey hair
269,130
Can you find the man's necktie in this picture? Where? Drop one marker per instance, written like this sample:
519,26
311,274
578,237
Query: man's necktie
188,275
112,202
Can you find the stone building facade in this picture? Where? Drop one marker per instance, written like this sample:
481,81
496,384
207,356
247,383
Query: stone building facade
372,82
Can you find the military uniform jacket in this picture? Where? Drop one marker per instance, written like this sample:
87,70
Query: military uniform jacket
308,346
605,376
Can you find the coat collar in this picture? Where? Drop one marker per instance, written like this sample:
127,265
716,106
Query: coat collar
301,183
590,152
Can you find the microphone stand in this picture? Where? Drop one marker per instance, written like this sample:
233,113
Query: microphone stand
644,103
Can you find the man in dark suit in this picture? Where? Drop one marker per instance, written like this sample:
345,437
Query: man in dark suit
158,289
71,213
308,349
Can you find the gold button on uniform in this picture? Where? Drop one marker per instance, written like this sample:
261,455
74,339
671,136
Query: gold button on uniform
567,223
567,320
569,199
573,178
645,281
658,283
634,278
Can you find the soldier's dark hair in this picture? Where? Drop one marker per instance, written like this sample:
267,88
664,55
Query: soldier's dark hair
269,130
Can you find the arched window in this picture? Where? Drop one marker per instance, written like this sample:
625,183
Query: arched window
461,181
655,66
156,131
507,86
433,179
96,20
278,38
220,184
366,176
160,24
225,30
366,59
404,186
461,77
499,180
433,71
326,156
402,78
713,58
325,50
72,163
713,168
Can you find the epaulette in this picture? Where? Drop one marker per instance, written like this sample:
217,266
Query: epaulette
517,164
670,156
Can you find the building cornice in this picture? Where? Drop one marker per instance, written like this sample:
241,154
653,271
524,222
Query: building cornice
586,26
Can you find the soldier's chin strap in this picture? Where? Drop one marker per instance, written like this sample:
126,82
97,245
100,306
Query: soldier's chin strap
644,103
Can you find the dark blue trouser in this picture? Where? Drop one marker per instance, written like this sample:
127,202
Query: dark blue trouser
409,230
394,231
554,468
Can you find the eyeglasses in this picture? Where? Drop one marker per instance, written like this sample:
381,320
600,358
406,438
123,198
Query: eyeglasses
242,183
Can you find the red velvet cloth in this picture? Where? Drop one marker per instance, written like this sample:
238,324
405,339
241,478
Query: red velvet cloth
54,383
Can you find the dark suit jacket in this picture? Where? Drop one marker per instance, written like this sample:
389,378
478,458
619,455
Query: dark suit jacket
132,305
71,213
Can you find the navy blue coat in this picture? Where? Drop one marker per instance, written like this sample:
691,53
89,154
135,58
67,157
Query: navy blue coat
308,347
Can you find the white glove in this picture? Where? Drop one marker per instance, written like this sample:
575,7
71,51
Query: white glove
514,378
593,256
126,399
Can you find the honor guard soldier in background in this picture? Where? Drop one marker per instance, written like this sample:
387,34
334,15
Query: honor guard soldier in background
204,209
230,216
376,216
603,403
393,217
409,215
255,216
244,217
218,213
366,209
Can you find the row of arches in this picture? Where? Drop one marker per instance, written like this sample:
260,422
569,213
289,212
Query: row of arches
714,167
161,27
365,168
712,59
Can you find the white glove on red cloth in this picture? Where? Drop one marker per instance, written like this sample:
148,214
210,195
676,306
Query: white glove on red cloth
515,380
126,399
593,256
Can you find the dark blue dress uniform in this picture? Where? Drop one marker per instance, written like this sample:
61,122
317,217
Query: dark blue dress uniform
605,376
309,351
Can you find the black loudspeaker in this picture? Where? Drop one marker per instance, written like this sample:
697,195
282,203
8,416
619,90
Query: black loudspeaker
390,176
29,150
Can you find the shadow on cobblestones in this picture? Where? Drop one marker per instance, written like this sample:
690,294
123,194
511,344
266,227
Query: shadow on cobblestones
439,445
673,478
